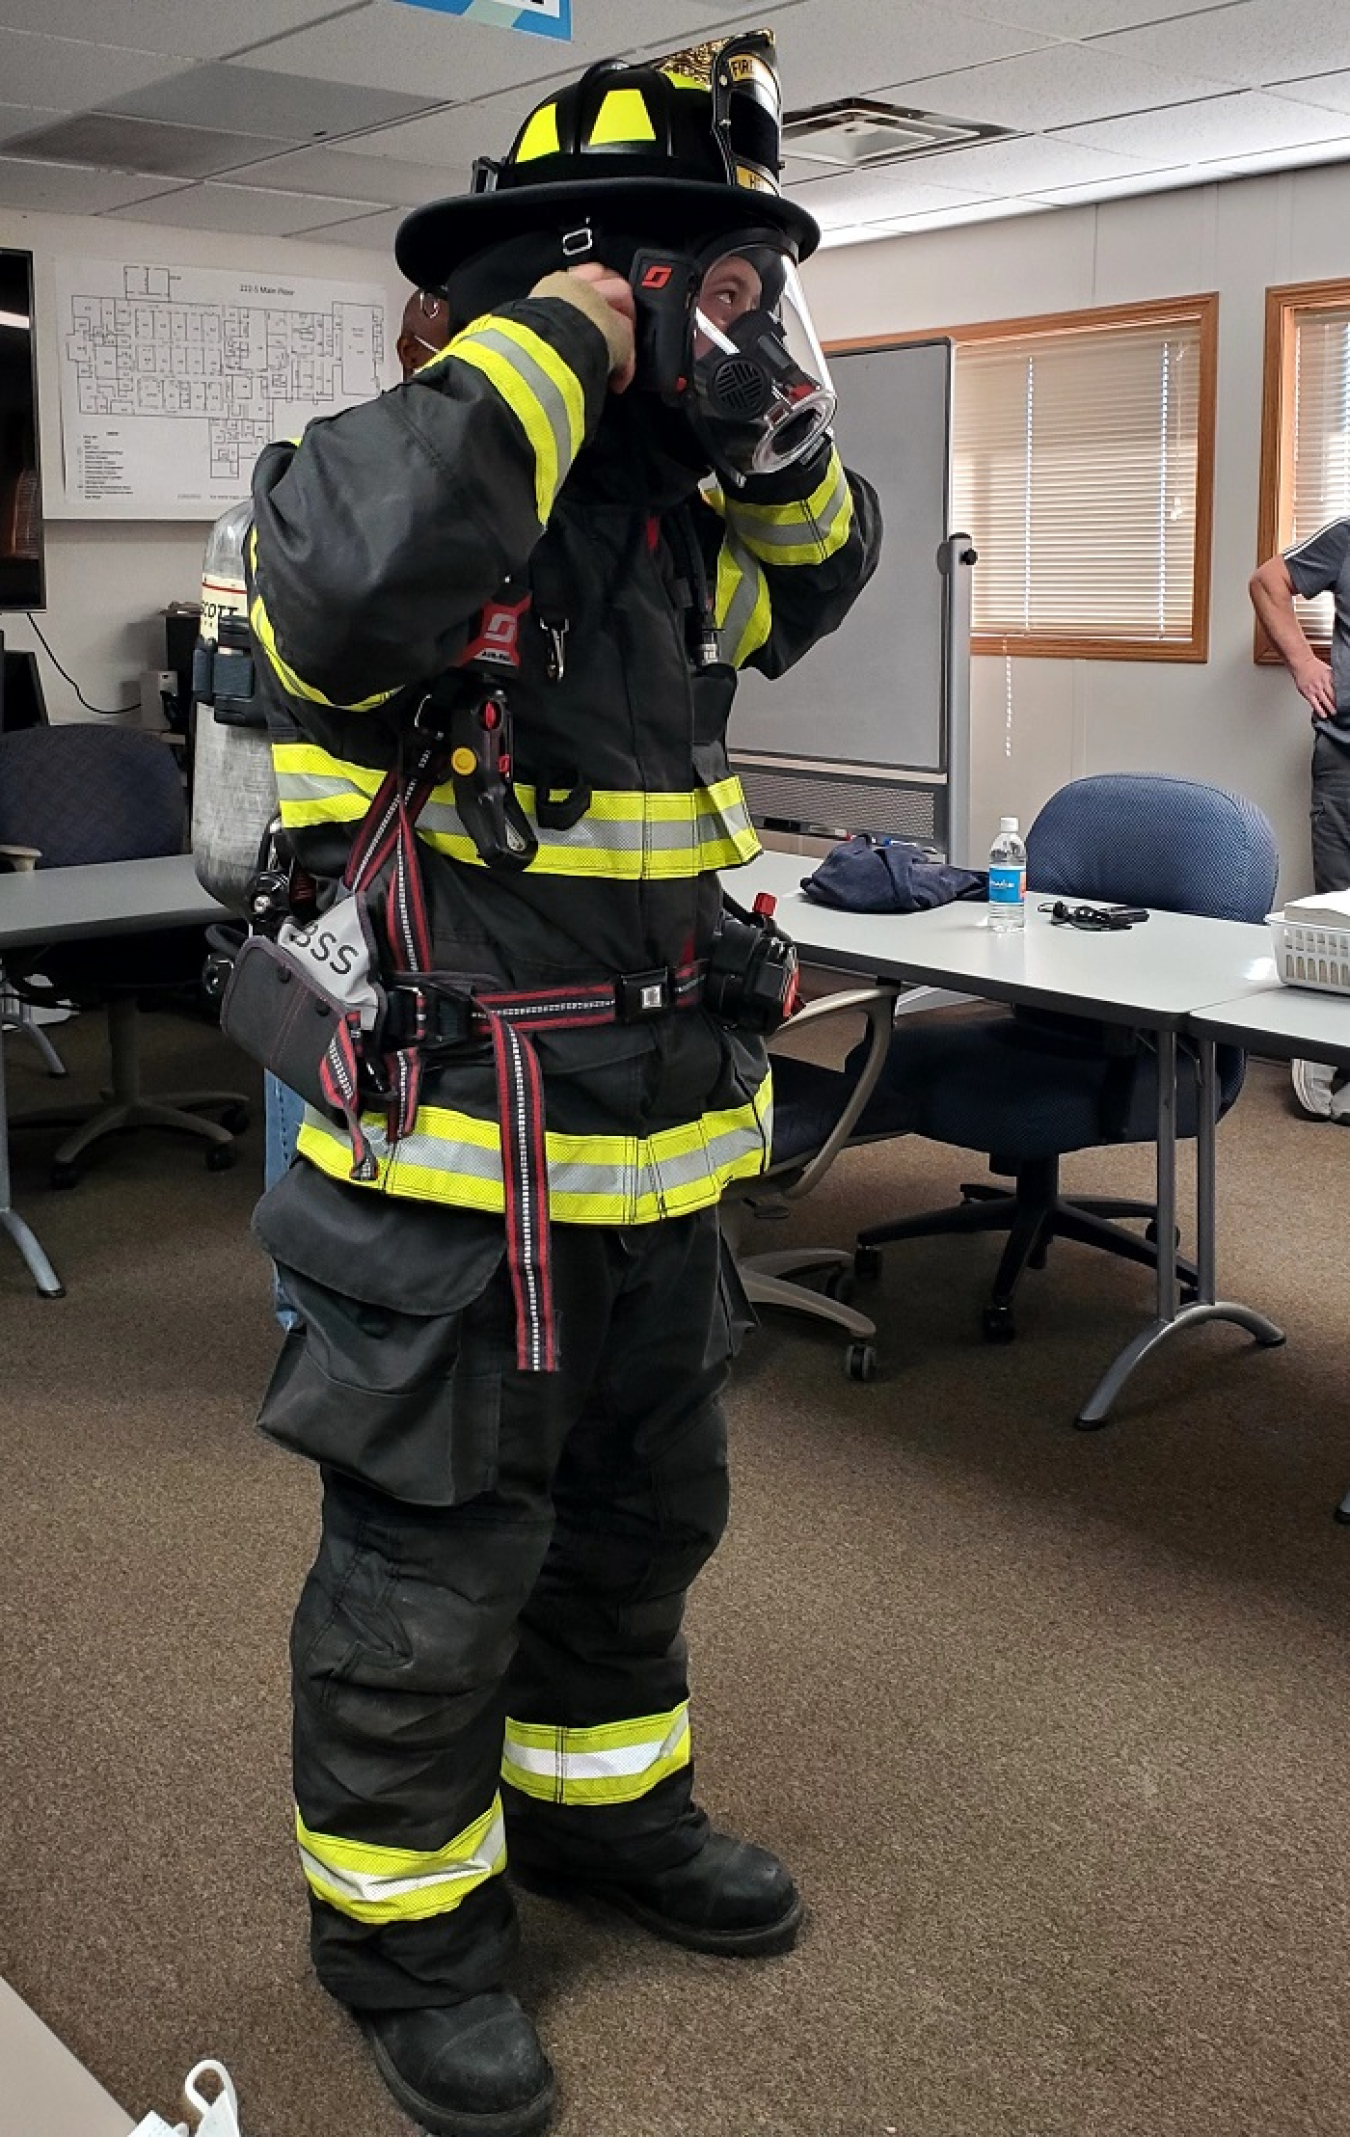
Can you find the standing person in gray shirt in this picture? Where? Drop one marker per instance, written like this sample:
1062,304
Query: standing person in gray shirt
1318,566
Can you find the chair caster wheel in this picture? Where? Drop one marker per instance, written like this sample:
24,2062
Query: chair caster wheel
64,1175
838,1284
220,1157
866,1262
1151,1233
1342,1515
998,1324
236,1119
860,1362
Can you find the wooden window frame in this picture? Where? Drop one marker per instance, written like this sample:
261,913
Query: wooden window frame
1277,427
1204,310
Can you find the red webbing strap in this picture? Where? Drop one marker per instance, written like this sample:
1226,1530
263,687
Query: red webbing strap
389,828
520,1109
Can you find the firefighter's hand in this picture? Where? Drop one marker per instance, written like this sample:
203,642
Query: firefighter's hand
607,301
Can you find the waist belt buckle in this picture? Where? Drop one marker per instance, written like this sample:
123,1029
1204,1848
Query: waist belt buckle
643,994
429,1016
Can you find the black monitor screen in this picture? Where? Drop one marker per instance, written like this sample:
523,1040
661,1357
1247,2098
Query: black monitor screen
21,584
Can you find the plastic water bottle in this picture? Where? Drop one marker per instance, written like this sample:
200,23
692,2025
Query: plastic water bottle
1007,878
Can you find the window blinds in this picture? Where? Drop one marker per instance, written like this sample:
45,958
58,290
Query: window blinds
1317,466
1075,470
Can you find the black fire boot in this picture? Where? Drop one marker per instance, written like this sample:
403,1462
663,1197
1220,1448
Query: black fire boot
472,2069
730,1898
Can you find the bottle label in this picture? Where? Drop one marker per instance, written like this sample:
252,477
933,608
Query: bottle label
1007,883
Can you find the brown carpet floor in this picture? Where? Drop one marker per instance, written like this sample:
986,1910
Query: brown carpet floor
1052,1727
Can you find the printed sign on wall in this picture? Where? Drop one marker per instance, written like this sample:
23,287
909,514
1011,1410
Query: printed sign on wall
538,18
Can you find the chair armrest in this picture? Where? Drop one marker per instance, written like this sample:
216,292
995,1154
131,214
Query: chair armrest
878,1006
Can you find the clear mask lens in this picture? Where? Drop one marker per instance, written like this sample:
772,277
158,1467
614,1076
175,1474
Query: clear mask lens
762,390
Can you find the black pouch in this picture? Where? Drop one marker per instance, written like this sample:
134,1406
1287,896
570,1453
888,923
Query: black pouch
280,1017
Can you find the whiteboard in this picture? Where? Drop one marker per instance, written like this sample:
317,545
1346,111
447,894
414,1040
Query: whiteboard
873,693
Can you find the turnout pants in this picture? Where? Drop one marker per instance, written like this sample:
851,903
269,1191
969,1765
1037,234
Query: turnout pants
488,1644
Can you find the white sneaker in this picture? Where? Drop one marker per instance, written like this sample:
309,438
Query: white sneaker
1314,1082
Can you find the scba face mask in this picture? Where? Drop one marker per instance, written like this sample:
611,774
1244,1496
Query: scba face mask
727,337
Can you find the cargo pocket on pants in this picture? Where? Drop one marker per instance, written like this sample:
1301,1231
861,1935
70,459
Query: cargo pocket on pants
394,1376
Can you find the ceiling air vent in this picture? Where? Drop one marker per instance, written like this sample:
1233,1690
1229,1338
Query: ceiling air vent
856,132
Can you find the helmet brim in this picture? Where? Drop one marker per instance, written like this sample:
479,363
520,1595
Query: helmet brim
436,239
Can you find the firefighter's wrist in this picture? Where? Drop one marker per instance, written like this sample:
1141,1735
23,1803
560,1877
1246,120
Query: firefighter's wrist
586,299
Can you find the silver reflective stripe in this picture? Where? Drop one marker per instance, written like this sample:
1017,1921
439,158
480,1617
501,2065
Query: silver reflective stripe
371,1889
744,601
543,388
619,1760
312,786
805,528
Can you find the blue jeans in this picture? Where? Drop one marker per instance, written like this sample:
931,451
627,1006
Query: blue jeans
283,1111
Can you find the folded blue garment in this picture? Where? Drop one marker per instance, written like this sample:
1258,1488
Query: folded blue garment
862,876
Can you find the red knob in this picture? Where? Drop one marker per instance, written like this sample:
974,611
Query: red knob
766,903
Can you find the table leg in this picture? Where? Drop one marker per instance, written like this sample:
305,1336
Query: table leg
1169,1316
40,1269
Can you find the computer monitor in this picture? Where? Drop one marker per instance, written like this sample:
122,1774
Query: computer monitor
21,531
22,703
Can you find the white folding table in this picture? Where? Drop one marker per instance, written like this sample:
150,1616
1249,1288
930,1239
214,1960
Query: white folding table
57,904
1150,977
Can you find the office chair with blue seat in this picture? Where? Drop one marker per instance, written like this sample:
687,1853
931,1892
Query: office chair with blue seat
816,1113
80,794
1029,1087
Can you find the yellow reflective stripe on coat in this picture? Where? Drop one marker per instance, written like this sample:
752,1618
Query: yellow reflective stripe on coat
455,1157
629,835
261,625
373,1884
542,392
743,612
807,531
615,1763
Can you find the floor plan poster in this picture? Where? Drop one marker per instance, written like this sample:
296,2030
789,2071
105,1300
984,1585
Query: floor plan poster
174,378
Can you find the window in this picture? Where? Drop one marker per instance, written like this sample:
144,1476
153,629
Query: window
1305,430
1082,465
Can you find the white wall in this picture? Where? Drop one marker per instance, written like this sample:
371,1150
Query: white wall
108,581
1226,720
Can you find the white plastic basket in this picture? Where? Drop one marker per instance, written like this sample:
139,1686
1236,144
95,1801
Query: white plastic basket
1311,956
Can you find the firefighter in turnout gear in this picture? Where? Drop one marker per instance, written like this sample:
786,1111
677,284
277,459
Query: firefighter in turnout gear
500,612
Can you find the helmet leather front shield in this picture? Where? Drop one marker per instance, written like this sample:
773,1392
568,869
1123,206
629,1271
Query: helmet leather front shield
759,393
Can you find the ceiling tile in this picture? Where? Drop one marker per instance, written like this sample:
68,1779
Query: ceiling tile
331,171
994,169
1329,92
1061,86
445,58
250,100
1286,159
231,207
876,196
1254,42
1138,183
69,76
831,48
199,29
17,119
1084,18
117,143
61,189
372,233
1244,122
454,136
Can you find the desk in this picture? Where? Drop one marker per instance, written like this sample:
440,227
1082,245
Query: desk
1150,977
55,904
